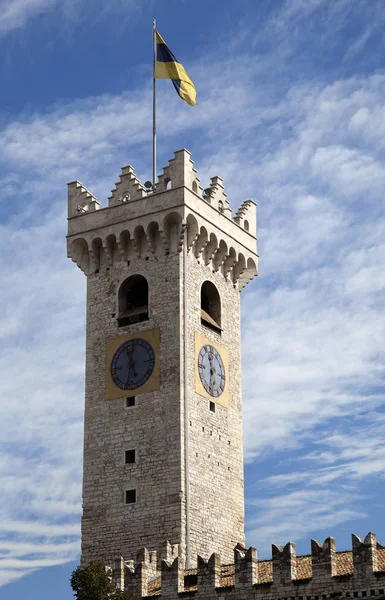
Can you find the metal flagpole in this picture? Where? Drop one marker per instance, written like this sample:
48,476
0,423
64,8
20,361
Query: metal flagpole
153,107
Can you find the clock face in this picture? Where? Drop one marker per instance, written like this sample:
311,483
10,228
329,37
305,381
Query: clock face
132,364
211,370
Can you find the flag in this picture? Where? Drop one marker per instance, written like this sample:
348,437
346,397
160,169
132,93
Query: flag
167,67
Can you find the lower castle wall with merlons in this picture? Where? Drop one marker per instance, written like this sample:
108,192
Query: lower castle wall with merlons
323,575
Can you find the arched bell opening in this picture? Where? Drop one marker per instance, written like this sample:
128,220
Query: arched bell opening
210,307
133,301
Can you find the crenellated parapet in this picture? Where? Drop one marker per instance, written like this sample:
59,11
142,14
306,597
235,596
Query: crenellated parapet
127,188
246,216
215,195
80,200
366,555
140,224
179,172
284,564
324,558
324,574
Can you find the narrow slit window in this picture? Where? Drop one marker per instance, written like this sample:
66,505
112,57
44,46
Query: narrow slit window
130,401
130,497
129,457
212,406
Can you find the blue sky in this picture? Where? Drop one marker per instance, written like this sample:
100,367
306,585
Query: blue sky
291,113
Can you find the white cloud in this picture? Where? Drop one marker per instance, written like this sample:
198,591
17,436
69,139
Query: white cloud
292,515
15,13
322,487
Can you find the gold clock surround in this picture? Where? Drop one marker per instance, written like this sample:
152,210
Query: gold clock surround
201,340
153,383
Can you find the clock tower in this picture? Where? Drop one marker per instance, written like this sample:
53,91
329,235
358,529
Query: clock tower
163,408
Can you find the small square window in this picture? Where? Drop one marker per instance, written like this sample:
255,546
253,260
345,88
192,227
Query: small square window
130,496
129,457
212,406
130,401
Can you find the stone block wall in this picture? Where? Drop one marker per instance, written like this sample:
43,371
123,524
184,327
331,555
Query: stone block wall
152,427
215,438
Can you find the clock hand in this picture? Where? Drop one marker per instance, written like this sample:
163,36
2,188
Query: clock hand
131,364
212,373
212,379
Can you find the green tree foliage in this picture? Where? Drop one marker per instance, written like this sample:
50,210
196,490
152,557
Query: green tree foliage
94,583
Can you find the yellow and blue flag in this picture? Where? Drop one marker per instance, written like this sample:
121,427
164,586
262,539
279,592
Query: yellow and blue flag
167,67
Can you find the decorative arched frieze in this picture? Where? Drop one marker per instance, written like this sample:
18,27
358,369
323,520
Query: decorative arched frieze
154,240
79,253
239,267
140,241
172,231
201,242
210,249
125,245
98,253
192,230
248,274
229,262
220,255
112,249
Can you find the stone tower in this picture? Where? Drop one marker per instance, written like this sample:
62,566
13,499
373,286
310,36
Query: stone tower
163,410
